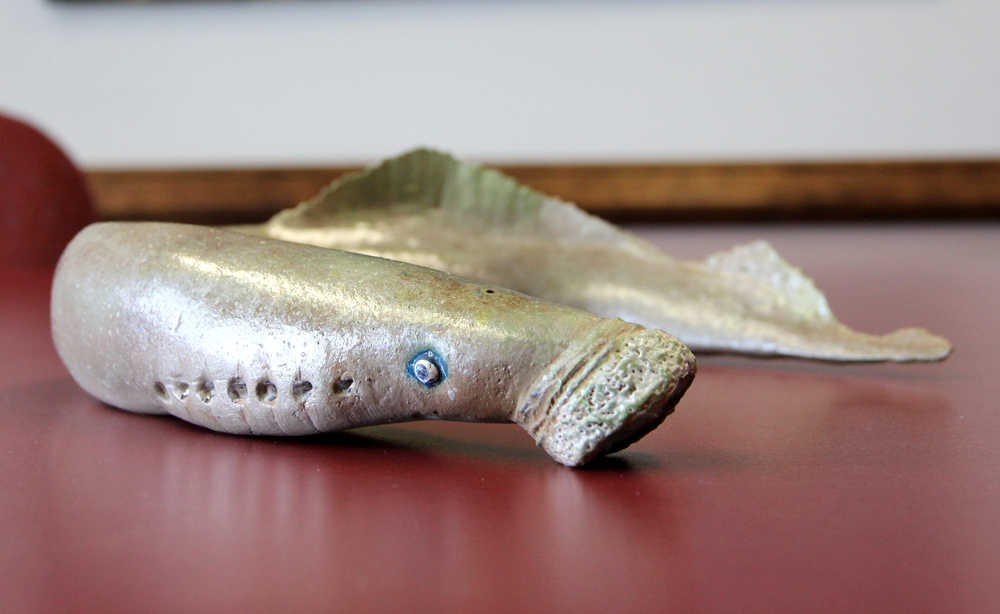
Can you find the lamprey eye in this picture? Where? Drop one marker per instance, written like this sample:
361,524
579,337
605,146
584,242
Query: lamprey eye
426,372
427,368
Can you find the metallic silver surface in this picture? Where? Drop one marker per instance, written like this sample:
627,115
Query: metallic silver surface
429,209
254,336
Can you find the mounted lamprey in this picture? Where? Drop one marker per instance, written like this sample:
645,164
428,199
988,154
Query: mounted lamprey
429,209
253,336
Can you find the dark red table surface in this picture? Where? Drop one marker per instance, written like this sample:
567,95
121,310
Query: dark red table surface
777,486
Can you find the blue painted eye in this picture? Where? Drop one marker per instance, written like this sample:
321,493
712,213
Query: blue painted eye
427,368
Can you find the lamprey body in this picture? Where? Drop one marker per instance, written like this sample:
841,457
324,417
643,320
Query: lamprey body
430,209
249,335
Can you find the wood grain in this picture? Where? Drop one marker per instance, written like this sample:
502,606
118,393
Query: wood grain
791,190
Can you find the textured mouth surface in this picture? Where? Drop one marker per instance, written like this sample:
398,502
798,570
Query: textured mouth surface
610,395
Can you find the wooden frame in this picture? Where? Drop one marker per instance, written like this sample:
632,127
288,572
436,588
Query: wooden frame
677,191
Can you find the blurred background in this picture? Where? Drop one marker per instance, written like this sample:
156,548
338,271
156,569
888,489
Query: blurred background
226,111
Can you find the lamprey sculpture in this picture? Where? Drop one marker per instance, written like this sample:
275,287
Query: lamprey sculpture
254,336
430,209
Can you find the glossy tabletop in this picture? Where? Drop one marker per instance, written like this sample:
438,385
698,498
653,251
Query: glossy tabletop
777,485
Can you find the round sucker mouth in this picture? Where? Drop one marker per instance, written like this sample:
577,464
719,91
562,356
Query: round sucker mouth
623,384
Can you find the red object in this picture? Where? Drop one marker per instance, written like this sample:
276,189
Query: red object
779,486
43,197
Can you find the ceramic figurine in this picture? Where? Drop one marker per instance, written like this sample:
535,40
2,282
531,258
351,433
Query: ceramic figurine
249,335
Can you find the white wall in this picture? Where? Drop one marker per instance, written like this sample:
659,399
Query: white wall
351,80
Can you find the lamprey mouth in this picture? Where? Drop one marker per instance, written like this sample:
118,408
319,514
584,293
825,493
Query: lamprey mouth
606,391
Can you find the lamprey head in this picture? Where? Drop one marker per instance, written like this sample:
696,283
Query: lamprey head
606,392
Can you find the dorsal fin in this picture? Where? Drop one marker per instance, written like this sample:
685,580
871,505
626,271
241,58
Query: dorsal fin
762,262
429,180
